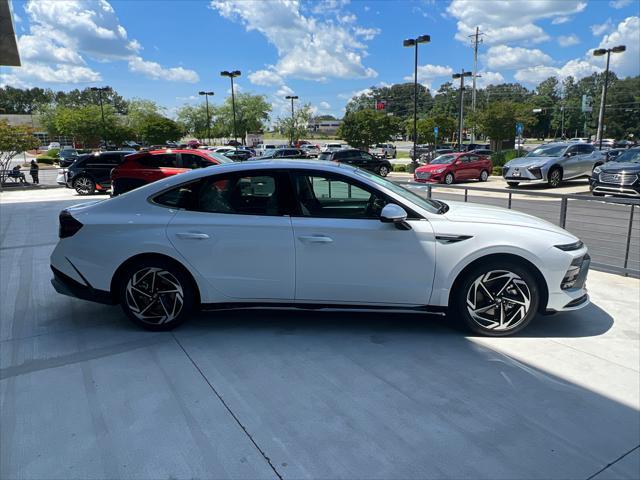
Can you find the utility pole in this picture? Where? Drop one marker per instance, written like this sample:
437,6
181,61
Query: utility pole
461,76
603,98
104,129
232,75
414,42
476,39
206,100
292,98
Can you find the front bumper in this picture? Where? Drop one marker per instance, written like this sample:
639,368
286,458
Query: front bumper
524,174
574,298
606,188
428,177
66,285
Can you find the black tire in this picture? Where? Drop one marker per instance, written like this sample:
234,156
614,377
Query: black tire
383,170
465,291
84,185
554,177
449,178
484,176
513,184
163,311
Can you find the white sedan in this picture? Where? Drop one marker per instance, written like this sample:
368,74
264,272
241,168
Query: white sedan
312,234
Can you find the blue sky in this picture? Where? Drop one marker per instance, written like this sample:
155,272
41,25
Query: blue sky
323,51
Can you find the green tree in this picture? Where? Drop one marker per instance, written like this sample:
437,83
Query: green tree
252,114
193,119
363,128
23,101
13,141
425,127
398,100
158,129
297,128
498,121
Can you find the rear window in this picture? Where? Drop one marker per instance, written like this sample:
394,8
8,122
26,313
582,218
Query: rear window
324,156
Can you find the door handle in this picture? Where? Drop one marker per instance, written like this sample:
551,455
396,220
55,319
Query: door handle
192,236
315,239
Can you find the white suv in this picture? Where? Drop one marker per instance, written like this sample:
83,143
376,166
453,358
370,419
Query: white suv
385,150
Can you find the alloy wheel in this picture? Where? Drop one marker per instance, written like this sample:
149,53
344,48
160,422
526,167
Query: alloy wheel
448,179
154,296
83,185
555,178
498,300
484,176
384,171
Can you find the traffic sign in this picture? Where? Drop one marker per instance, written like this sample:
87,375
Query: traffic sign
519,129
435,131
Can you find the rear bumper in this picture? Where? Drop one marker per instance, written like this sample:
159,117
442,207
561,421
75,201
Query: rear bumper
66,285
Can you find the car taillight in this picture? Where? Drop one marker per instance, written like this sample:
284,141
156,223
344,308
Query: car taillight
69,226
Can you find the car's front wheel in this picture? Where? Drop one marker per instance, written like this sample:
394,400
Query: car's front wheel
84,185
484,176
383,171
449,178
555,177
156,295
496,298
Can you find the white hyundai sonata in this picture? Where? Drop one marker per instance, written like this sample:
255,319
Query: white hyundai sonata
313,234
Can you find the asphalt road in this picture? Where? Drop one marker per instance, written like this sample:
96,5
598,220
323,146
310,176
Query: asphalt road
287,394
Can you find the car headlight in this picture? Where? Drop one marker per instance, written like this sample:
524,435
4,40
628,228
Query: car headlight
440,170
597,170
569,247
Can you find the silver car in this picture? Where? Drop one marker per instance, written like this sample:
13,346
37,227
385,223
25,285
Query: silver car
553,163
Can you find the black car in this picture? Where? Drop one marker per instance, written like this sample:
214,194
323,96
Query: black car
67,157
92,172
283,153
619,176
239,154
359,158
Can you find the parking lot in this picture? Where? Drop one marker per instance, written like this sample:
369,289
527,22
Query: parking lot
293,394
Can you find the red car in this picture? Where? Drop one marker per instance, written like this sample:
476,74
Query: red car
146,167
452,167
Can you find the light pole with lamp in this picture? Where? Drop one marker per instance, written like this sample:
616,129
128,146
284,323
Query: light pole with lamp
413,42
598,53
104,129
292,98
206,101
232,75
461,76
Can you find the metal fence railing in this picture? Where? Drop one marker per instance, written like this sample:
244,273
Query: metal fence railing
610,227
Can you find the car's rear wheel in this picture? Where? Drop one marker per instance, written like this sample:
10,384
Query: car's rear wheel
449,178
496,298
383,171
156,295
513,184
84,185
484,176
555,177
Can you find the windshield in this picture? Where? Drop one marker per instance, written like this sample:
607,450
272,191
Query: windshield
630,156
443,160
219,157
68,153
428,205
553,151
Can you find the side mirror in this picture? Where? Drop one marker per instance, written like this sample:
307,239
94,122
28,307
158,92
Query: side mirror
569,154
392,213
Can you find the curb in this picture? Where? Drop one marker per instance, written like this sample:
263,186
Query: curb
6,188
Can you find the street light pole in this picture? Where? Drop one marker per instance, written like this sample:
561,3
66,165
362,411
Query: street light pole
292,98
232,75
413,42
603,99
461,76
206,101
104,129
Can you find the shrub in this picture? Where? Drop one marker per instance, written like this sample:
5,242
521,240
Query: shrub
46,160
399,168
497,171
52,153
500,158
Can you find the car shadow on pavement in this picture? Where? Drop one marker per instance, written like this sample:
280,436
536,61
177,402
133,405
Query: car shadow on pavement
588,322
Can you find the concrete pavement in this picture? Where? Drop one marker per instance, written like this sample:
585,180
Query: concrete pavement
287,394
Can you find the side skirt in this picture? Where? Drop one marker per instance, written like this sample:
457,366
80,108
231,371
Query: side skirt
424,309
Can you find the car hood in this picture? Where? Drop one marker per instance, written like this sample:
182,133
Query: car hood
432,166
475,213
621,167
529,161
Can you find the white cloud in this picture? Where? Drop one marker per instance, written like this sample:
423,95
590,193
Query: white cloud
17,18
62,73
62,34
618,4
626,33
325,105
560,20
505,57
489,78
267,78
157,72
366,33
428,73
575,68
602,28
308,47
505,22
568,40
